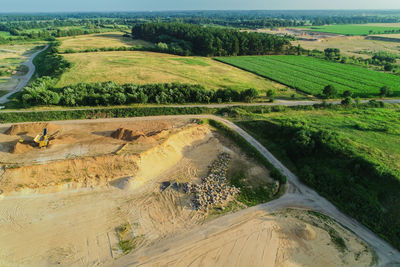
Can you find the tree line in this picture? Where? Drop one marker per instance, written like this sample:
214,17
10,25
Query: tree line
210,41
43,92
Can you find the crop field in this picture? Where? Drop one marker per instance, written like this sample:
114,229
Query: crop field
148,67
311,75
99,40
359,29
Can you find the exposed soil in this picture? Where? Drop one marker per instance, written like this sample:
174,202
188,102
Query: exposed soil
31,129
20,148
66,204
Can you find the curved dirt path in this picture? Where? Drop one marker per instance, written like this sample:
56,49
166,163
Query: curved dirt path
23,80
297,195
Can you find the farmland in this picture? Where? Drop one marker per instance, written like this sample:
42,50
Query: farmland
311,75
357,46
99,40
354,29
148,67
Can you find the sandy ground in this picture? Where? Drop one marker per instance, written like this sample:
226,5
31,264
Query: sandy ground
257,238
77,225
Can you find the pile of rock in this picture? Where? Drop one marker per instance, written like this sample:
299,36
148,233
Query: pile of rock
213,189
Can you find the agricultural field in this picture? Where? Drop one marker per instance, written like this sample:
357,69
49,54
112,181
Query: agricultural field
355,29
351,156
311,75
99,40
148,67
357,46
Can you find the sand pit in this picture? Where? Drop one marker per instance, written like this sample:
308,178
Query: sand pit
65,205
101,170
127,134
256,238
31,129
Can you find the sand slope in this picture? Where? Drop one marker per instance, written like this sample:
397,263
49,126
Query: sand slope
290,238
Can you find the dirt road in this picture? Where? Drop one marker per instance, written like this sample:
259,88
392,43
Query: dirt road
23,80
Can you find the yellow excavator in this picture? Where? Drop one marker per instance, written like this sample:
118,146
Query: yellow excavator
42,140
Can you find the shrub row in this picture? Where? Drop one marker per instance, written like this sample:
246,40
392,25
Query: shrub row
50,63
43,92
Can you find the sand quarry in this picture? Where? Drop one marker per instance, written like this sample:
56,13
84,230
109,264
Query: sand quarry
108,192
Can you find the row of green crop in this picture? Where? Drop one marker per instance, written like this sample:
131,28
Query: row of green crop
311,75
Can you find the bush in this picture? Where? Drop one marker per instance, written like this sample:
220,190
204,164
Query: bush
329,91
385,91
347,101
271,95
347,93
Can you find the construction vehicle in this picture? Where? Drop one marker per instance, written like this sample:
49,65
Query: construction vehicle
42,140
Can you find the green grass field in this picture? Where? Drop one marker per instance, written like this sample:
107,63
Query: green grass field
350,156
354,29
148,67
99,40
311,75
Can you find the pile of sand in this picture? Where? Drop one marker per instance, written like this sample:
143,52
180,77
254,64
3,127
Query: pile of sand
20,148
127,134
31,129
305,232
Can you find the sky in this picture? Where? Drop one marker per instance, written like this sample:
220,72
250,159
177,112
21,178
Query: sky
159,5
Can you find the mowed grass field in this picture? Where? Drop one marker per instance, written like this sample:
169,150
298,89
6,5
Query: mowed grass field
149,67
99,40
356,46
311,75
355,29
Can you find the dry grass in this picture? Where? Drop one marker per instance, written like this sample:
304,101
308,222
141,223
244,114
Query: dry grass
98,40
352,45
148,67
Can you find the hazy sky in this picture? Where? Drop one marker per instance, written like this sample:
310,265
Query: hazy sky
144,5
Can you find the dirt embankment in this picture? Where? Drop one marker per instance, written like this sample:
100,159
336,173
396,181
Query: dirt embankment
101,170
31,129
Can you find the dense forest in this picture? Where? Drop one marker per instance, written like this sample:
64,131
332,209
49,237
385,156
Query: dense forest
210,41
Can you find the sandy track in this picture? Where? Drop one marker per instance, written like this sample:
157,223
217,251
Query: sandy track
299,195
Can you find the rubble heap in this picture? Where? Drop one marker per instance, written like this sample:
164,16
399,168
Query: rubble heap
213,189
